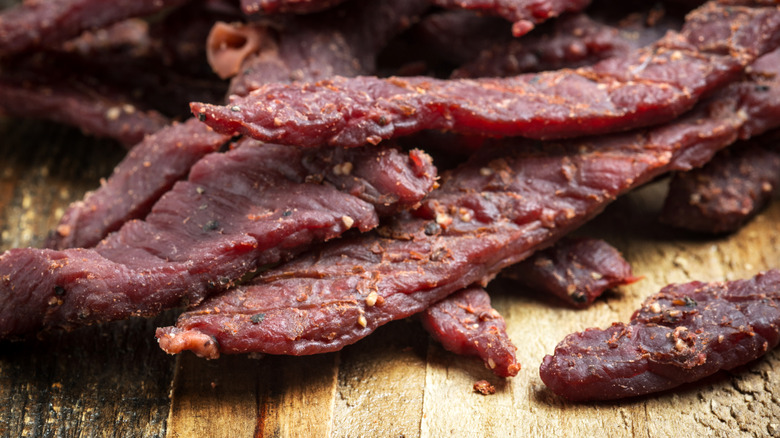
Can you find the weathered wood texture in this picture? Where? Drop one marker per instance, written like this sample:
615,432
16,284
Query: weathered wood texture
112,380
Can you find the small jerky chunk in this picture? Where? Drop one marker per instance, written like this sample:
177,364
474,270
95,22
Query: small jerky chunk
238,211
729,190
96,111
573,41
286,6
682,334
525,14
34,24
577,270
465,323
645,87
344,41
149,170
493,211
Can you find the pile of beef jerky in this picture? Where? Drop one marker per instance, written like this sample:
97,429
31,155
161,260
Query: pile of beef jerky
280,185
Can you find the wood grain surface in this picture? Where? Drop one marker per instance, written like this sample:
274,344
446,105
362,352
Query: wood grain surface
112,380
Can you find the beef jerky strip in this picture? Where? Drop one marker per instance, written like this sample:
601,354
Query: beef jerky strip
728,191
523,13
98,111
34,24
465,323
490,213
286,6
148,171
238,211
573,41
682,334
577,270
646,87
344,41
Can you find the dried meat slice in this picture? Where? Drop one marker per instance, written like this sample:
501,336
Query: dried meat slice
101,112
646,87
492,212
34,24
573,41
148,171
576,270
237,212
728,191
525,14
682,334
465,323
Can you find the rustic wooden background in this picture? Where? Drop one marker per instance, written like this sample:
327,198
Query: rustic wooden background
112,380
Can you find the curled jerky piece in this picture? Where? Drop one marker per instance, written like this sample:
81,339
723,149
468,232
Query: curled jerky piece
645,87
729,190
523,13
682,334
238,211
33,24
577,270
465,323
149,170
491,212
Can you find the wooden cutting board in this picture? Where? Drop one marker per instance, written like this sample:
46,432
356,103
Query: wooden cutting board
113,380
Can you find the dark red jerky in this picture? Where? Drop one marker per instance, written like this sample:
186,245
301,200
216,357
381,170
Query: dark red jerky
577,270
286,6
646,87
523,13
727,192
238,211
465,323
682,334
97,112
34,24
573,41
490,213
458,36
148,171
344,41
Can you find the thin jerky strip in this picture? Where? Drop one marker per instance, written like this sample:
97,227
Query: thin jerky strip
148,171
573,41
647,87
34,24
576,270
101,113
490,213
238,211
728,191
344,41
465,323
525,14
682,334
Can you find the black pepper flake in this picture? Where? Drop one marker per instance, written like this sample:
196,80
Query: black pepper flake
257,318
202,117
690,302
287,213
432,228
382,121
762,87
578,297
211,226
59,291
